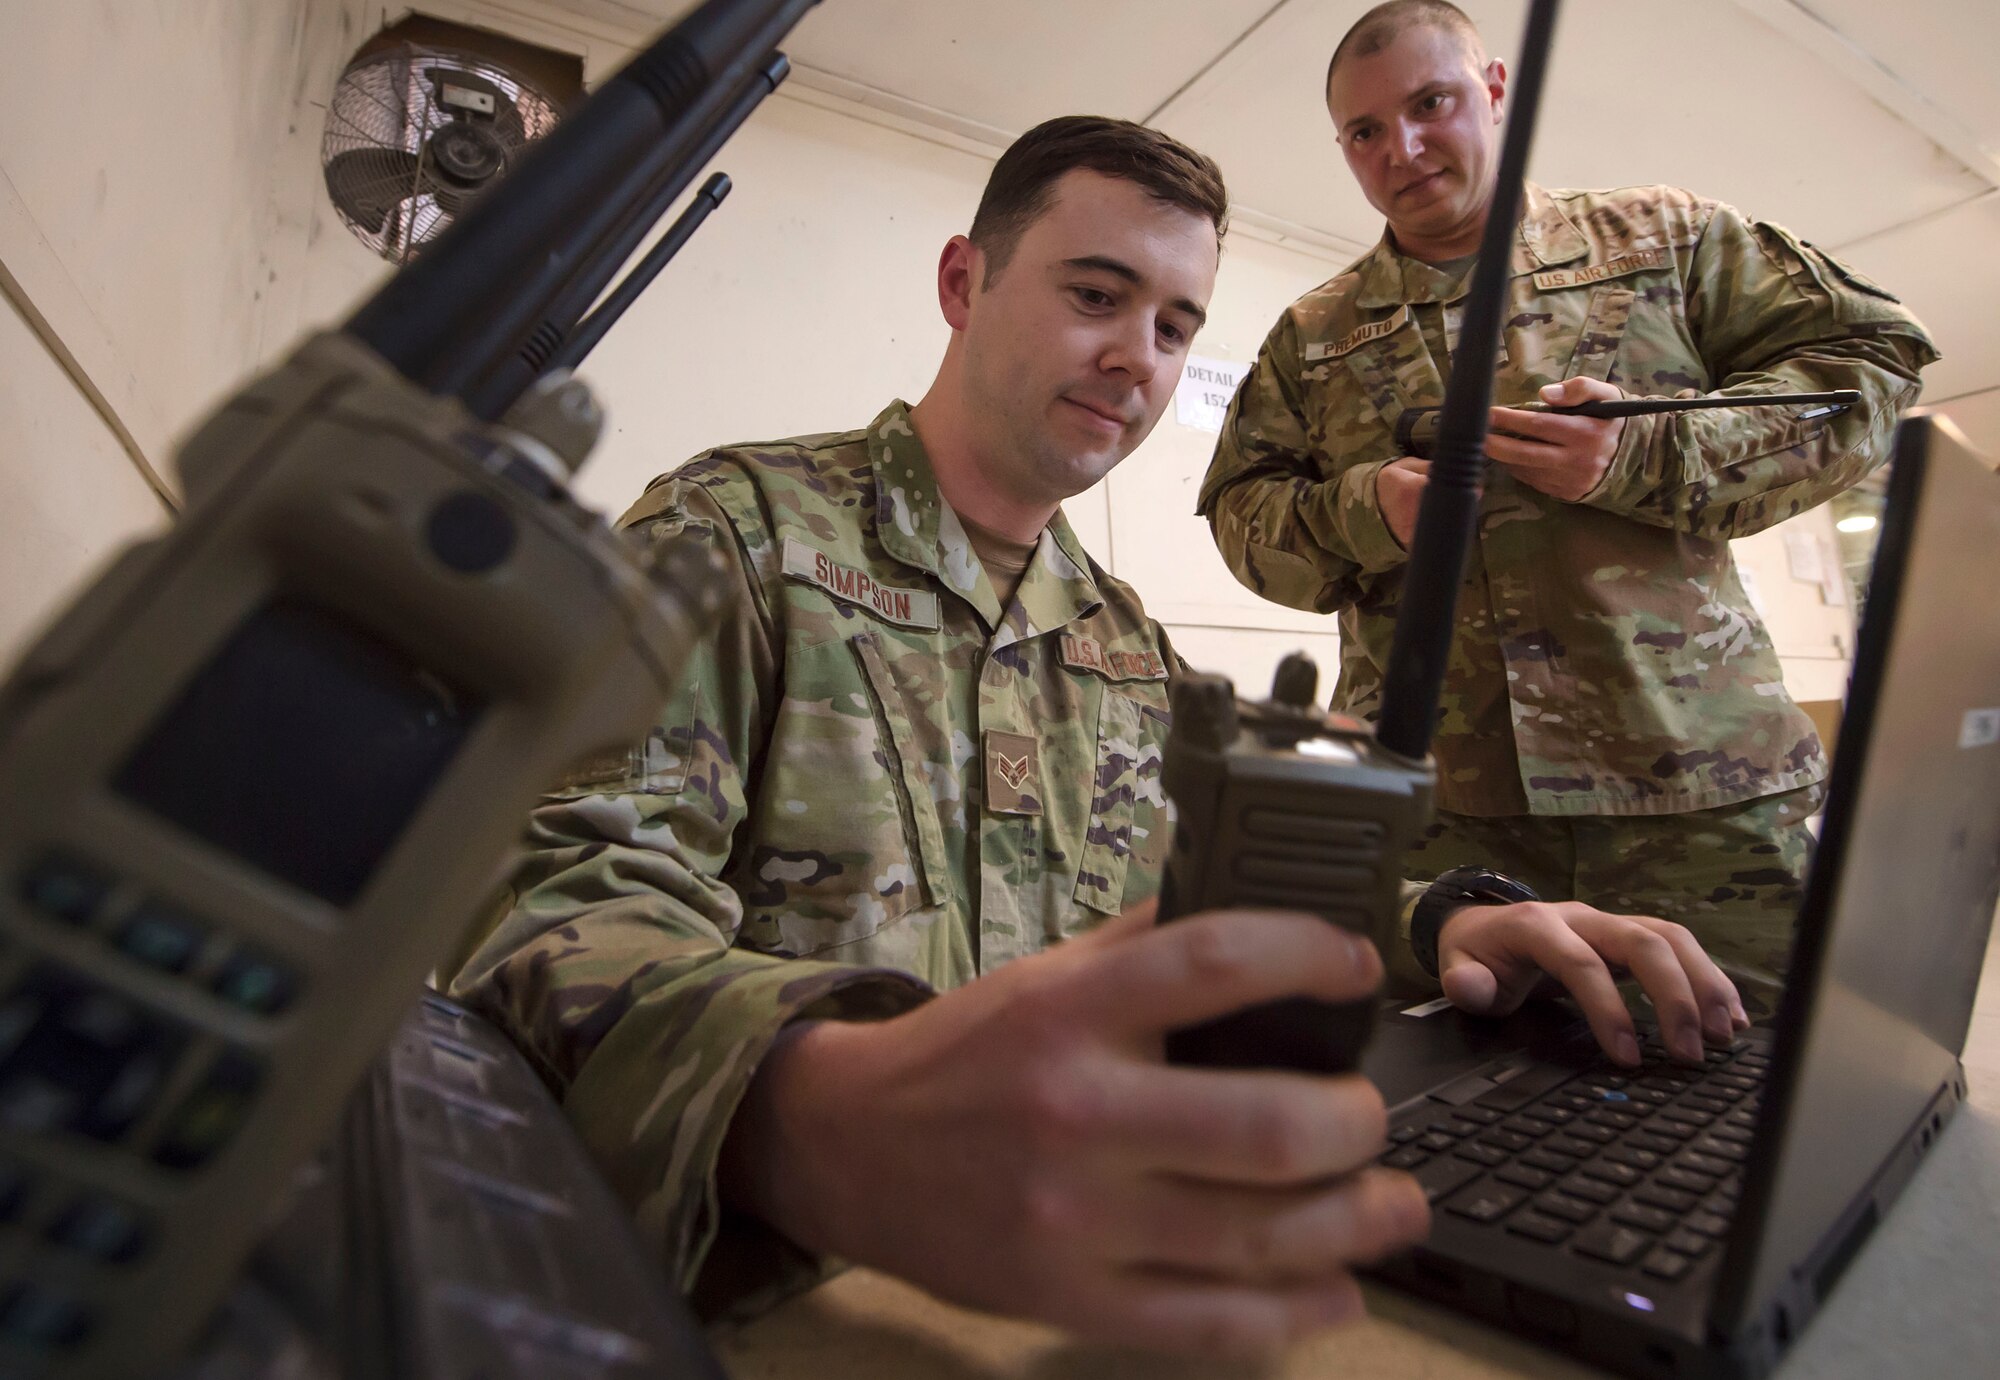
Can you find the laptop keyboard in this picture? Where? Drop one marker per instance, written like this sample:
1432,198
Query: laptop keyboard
1631,1167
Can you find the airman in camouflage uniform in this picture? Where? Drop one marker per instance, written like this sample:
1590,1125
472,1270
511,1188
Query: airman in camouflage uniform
875,772
1606,661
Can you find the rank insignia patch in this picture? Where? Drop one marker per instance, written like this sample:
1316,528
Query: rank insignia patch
1013,774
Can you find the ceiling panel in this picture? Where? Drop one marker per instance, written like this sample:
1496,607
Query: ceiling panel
1769,104
1011,65
1717,95
1766,126
1946,49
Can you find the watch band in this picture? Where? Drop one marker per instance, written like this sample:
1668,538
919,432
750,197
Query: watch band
1452,891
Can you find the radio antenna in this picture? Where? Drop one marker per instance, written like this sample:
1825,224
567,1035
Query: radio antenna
1418,656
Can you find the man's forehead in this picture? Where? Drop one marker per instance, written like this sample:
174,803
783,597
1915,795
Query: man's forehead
1421,56
1095,216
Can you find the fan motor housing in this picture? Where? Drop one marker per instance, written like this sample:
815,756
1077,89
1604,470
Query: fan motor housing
426,116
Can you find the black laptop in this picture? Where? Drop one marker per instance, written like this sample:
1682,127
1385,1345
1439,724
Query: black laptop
1682,1222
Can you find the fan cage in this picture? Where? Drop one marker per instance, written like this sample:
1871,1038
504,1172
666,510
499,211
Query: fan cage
386,105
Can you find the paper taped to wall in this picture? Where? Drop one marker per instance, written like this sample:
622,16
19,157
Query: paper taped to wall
1205,389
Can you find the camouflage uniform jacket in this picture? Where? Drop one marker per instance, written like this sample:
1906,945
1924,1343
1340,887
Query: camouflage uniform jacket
875,782
1606,659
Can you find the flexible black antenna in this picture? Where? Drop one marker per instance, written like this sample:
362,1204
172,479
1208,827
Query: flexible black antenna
452,316
1421,651
591,329
717,116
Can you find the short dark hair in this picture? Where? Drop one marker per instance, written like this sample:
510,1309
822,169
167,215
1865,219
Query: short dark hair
1023,181
1384,24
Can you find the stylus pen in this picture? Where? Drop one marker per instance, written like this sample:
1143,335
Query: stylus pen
1417,428
1641,407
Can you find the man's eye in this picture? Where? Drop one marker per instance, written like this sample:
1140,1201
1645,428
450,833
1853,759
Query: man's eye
1432,103
1093,297
1171,333
1360,136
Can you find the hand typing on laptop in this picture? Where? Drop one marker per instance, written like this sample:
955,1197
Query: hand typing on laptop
1492,958
1019,1145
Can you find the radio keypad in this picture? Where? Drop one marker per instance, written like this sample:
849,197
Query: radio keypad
77,1058
101,1228
66,889
209,1115
161,938
254,983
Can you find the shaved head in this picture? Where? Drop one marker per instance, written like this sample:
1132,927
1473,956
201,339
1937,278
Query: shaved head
1384,24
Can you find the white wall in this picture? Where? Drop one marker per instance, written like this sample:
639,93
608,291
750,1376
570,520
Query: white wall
174,234
68,491
153,167
150,152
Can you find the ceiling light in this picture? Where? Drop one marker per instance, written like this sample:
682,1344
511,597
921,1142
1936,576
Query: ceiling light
1860,522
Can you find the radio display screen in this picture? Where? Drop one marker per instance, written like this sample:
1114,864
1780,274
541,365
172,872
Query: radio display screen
304,747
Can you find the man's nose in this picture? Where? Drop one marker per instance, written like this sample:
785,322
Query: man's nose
1406,142
1134,350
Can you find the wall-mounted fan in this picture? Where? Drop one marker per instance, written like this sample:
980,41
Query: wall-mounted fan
426,117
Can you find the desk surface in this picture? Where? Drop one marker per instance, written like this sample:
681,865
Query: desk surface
1918,1301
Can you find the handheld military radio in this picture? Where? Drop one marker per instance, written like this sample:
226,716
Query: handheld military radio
1280,804
267,770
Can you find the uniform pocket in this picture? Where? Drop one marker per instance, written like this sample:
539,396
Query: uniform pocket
839,849
1852,298
1393,370
912,767
1603,332
1127,808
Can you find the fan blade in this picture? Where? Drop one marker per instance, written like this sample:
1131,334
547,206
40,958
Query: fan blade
367,184
508,124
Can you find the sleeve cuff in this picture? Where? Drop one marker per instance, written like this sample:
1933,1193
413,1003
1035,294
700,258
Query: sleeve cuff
1631,476
1357,518
655,1101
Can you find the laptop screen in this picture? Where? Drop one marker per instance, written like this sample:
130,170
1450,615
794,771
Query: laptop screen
1901,894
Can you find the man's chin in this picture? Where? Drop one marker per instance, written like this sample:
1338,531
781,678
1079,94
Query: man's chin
1069,475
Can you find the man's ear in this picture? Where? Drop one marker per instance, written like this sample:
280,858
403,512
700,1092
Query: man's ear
1496,86
959,270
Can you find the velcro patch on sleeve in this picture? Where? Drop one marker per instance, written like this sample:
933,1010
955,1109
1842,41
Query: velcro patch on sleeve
1635,262
1356,338
912,608
1088,654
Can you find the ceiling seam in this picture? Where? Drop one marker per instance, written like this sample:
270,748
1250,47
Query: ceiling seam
1924,219
1213,62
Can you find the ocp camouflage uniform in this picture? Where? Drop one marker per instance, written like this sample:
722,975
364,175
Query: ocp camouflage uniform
875,782
1606,661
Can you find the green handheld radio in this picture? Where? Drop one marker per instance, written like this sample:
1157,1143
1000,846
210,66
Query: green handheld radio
263,775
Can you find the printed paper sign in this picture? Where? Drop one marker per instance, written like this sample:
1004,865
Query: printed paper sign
1979,728
1205,388
1802,552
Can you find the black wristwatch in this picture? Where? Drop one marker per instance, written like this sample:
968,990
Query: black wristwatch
1452,891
